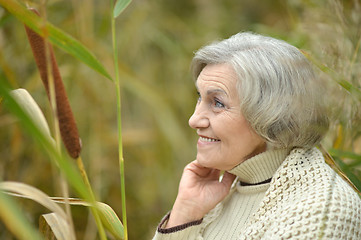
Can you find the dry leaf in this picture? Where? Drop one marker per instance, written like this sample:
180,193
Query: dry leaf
52,226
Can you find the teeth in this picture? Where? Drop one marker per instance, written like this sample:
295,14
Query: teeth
208,139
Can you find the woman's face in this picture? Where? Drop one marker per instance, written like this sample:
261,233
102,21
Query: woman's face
225,137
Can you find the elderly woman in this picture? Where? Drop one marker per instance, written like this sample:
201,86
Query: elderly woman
259,118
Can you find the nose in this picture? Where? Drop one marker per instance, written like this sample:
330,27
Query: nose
199,118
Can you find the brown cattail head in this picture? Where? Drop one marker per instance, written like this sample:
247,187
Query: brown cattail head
67,125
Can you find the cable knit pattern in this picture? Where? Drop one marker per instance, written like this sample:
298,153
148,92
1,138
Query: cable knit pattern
306,199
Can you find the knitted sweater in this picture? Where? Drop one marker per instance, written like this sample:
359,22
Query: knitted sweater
306,199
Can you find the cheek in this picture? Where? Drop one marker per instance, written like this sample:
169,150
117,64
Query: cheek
241,135
237,127
234,130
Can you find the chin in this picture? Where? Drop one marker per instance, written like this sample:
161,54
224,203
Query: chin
207,163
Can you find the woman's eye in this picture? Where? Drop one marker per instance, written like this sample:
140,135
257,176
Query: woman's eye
218,104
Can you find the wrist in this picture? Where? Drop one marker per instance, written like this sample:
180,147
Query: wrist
183,213
163,227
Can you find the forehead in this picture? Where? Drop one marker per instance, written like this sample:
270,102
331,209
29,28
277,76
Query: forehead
218,76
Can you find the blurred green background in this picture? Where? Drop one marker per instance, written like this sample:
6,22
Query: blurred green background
156,41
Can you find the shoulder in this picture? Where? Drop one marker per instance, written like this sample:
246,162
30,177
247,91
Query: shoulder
307,166
305,174
308,200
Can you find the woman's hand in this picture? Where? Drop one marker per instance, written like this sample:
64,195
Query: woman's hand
199,191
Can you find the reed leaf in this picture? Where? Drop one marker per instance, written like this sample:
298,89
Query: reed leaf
28,105
110,220
107,215
56,36
57,221
346,154
64,163
119,7
26,191
73,176
342,170
352,178
15,221
54,227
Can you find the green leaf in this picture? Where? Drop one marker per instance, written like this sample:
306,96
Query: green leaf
54,35
120,5
111,220
15,220
26,191
345,154
64,163
28,104
346,169
107,215
29,192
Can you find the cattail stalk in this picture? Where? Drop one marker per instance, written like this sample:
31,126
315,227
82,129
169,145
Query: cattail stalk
67,125
45,60
51,78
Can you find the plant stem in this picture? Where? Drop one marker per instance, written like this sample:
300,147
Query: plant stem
120,145
93,208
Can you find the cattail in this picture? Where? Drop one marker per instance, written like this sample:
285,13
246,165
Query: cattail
67,125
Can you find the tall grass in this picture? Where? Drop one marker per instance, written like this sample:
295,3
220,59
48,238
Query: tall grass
39,32
155,42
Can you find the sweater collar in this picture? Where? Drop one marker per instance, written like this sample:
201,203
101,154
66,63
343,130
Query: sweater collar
260,167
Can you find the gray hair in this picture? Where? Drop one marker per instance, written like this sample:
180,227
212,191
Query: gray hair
278,89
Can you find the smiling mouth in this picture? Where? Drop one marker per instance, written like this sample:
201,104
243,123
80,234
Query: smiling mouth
204,139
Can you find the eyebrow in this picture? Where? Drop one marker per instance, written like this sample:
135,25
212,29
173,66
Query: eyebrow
212,91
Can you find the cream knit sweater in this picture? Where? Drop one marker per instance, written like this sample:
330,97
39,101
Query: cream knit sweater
306,199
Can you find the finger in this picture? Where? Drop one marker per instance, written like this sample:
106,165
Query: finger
198,169
228,179
211,173
214,174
